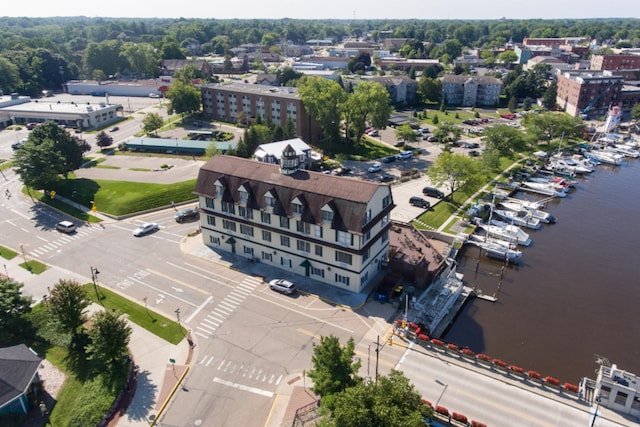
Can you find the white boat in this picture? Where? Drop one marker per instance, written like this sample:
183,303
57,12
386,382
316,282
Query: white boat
546,188
520,218
585,161
625,151
605,157
529,204
540,215
569,165
498,249
504,231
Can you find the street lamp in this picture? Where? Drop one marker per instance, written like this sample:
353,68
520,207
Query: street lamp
94,278
24,255
595,414
178,314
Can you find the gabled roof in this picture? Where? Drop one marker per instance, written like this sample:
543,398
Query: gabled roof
463,78
348,197
275,148
18,365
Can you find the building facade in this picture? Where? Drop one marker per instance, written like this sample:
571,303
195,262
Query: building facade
471,91
615,62
230,102
402,90
617,390
588,93
328,228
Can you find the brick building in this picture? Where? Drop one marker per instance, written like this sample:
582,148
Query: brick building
226,102
588,92
615,62
471,91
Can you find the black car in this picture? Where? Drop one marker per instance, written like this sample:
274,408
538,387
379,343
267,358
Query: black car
419,202
341,171
432,192
388,159
189,214
474,153
387,178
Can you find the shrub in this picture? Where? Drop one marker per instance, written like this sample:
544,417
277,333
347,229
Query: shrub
535,375
468,352
552,381
475,423
453,347
437,342
459,417
413,326
426,402
442,410
500,363
483,357
570,387
423,337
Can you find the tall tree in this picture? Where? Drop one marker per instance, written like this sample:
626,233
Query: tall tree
550,95
550,125
184,99
67,305
9,76
369,102
12,304
103,140
334,368
406,134
321,99
390,402
429,89
454,170
110,335
504,139
152,122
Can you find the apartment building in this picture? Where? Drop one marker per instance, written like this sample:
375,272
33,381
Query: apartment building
589,93
231,102
471,91
328,228
615,62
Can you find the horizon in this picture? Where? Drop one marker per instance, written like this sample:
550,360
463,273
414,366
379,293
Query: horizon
466,10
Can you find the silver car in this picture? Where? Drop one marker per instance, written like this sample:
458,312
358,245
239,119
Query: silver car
282,285
146,228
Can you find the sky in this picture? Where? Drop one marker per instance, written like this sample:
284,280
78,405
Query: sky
326,9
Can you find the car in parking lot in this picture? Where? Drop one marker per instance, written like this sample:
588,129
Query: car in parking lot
282,285
432,192
342,171
474,153
471,145
146,228
388,159
399,144
374,133
433,138
18,144
385,177
31,125
114,129
188,214
376,167
66,227
404,155
419,202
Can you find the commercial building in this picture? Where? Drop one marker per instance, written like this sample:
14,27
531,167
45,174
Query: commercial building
328,228
242,101
471,91
588,93
615,389
615,62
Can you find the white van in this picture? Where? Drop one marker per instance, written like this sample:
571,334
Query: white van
66,227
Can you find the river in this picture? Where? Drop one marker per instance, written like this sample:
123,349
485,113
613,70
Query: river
577,292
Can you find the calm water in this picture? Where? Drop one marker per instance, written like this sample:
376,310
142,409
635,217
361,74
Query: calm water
577,292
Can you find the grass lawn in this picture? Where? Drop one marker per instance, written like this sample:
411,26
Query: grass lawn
35,267
140,315
7,253
367,149
62,207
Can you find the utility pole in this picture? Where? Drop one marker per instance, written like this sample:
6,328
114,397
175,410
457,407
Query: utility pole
94,278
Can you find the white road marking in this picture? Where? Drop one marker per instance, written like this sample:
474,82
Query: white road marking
243,387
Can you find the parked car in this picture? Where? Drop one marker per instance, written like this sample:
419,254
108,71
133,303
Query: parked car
114,129
341,171
146,228
66,227
433,139
432,192
374,133
187,215
474,153
389,159
471,145
387,178
18,144
419,202
404,155
282,285
399,144
31,125
376,167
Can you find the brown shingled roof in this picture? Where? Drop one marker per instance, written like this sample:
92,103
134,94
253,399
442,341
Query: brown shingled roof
348,197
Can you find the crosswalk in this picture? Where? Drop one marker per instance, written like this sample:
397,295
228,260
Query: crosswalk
247,374
226,307
63,239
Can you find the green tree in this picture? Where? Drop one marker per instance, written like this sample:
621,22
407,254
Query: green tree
322,99
12,305
435,119
429,89
189,73
508,57
513,104
9,76
184,99
392,401
506,140
103,140
152,122
449,132
406,133
49,152
488,57
172,50
455,170
142,58
67,304
109,335
334,368
549,125
635,112
550,95
369,102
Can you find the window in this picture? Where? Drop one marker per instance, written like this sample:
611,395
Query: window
219,189
247,250
367,217
605,391
245,212
297,208
228,207
211,220
244,195
284,222
344,238
386,201
303,227
284,241
621,398
214,240
327,216
364,279
246,230
265,217
318,250
385,219
366,236
269,201
229,225
319,231
267,256
366,255
343,257
385,236
266,235
317,271
342,279
304,246
208,202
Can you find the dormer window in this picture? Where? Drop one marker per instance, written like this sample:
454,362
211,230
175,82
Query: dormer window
296,206
219,189
269,201
244,195
327,214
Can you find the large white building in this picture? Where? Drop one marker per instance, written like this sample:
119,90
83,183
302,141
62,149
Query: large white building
328,228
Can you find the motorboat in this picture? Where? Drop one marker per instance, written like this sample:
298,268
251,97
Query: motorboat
569,165
624,150
497,249
546,188
585,161
529,204
605,157
504,231
540,215
520,218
